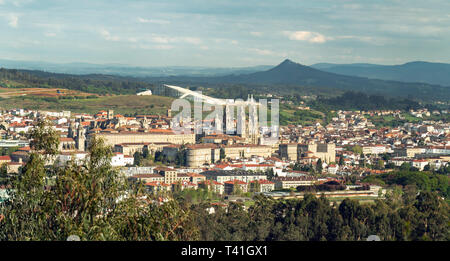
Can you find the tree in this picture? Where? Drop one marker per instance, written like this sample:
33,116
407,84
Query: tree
180,158
380,164
260,218
319,167
91,200
386,156
44,138
222,154
341,161
137,158
3,174
405,166
357,149
433,217
23,212
145,153
270,174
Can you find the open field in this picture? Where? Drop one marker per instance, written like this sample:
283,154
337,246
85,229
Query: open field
304,117
43,92
123,104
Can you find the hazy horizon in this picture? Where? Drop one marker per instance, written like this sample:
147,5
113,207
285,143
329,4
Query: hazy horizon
196,66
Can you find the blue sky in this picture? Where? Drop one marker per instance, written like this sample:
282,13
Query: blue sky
225,33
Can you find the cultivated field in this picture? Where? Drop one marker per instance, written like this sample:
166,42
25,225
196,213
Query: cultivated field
42,92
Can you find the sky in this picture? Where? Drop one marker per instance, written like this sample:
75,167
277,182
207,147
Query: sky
225,33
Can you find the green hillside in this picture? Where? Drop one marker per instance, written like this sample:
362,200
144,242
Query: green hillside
123,104
98,84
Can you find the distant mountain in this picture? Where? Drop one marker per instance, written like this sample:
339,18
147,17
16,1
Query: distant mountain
322,66
289,77
286,78
127,70
287,72
426,72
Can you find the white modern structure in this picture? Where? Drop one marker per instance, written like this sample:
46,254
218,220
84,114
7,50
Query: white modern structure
144,93
211,100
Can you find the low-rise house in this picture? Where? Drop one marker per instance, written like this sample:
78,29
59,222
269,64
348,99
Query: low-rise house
237,174
184,185
235,186
213,186
261,185
171,175
121,160
195,177
14,167
332,169
158,187
64,157
147,178
419,163
293,182
5,159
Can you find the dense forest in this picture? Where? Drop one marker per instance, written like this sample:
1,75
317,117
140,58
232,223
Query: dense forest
424,217
421,180
360,101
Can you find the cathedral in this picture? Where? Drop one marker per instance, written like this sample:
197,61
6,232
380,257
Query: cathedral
248,130
78,134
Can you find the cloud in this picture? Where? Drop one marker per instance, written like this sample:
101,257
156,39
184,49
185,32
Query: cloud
165,40
132,39
414,30
13,20
152,41
163,47
226,41
191,40
48,34
50,30
107,36
152,21
154,47
311,37
352,6
379,41
261,51
266,52
257,34
19,3
159,39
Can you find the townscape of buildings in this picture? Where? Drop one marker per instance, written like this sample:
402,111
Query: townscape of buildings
240,161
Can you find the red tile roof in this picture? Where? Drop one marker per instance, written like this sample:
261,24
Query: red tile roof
3,158
239,182
262,181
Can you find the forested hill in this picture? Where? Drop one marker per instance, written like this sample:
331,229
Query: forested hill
92,83
290,77
360,101
433,73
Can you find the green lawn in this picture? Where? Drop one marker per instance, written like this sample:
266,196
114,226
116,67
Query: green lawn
249,203
292,115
